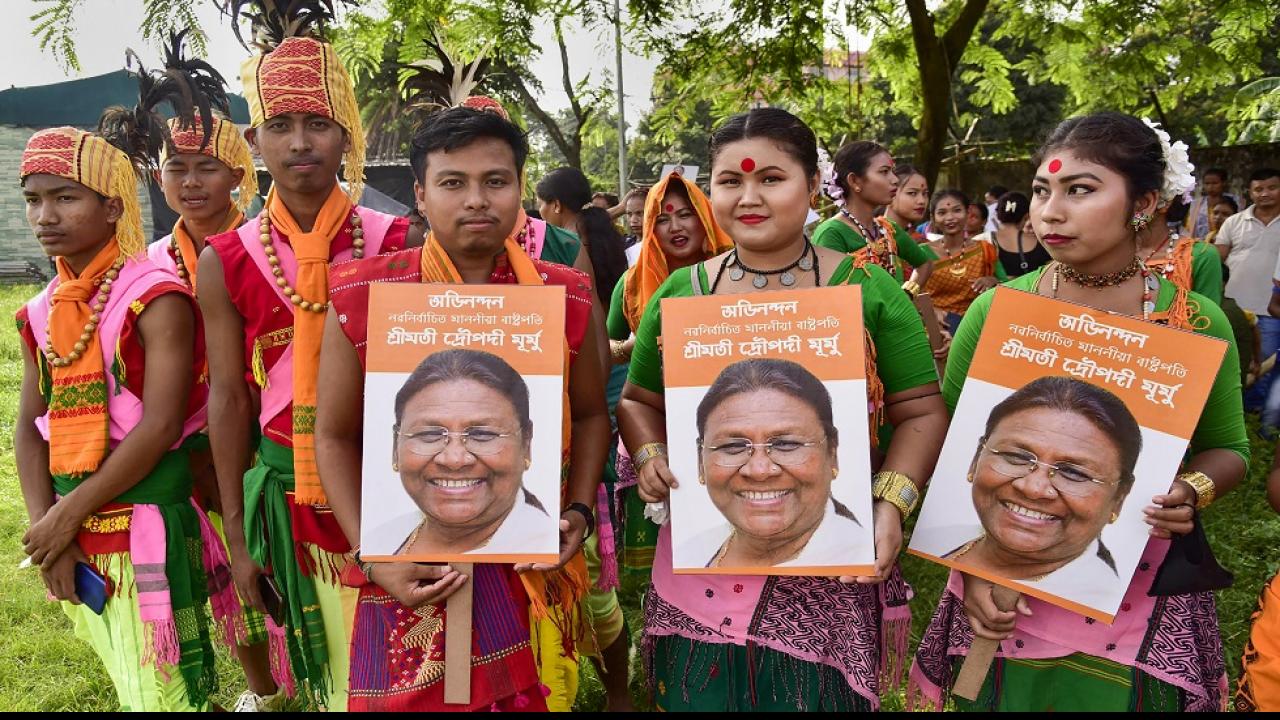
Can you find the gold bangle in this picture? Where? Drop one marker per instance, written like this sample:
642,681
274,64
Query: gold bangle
912,287
896,489
647,452
1203,487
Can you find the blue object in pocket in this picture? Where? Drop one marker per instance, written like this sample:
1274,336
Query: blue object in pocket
91,588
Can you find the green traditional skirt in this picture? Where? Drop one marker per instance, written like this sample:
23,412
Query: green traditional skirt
692,676
1076,683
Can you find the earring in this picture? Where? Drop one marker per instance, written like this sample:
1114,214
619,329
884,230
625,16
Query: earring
702,480
395,467
1114,517
834,473
1140,221
528,462
857,189
970,477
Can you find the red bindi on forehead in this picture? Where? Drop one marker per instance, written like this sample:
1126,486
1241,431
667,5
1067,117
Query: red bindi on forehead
670,207
1055,165
748,165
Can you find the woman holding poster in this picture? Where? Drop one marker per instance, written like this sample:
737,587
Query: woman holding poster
1098,181
713,640
679,230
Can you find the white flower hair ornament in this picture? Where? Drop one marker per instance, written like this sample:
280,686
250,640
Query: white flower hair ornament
827,176
1179,177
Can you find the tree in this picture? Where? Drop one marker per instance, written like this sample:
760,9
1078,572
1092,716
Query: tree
55,26
367,41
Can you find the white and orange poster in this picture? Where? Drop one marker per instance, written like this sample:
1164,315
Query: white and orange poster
463,410
1070,421
766,397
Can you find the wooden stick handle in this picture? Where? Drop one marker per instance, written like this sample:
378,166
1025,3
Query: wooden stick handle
457,640
973,673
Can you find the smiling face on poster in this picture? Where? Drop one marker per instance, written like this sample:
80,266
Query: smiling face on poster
768,485
463,403
1067,426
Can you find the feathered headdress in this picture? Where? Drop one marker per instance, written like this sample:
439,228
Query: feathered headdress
188,85
208,133
295,71
441,80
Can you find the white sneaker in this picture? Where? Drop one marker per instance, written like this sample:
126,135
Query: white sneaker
250,701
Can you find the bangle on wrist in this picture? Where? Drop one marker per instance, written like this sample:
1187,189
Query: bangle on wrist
647,452
1203,487
586,514
896,489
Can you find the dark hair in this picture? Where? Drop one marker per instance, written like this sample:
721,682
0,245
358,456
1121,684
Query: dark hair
1220,172
769,374
458,127
786,130
1264,173
941,195
854,158
1012,207
637,192
1107,412
608,197
678,187
982,209
1226,274
1115,140
1177,210
482,367
905,171
604,245
1224,200
997,191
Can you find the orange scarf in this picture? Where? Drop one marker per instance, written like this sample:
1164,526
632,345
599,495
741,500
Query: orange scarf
562,589
312,252
651,270
188,258
78,422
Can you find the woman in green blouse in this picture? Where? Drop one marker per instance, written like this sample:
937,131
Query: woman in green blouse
1096,188
725,642
861,180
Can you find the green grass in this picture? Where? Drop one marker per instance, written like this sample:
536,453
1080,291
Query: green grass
44,667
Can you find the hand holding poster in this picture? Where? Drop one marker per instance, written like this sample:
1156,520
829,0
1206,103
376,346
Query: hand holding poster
463,412
1070,421
767,432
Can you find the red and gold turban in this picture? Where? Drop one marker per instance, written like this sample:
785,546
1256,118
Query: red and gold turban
304,75
95,163
225,144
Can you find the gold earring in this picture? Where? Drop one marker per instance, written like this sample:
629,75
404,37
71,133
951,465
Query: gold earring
857,189
1114,517
528,462
395,467
834,473
702,480
971,477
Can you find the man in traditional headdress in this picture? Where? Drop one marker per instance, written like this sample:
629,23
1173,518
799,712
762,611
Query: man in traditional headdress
264,292
102,458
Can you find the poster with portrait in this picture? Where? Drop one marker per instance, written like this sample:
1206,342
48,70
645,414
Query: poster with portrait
766,399
462,423
1070,421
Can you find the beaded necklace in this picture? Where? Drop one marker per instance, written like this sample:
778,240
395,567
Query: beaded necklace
268,247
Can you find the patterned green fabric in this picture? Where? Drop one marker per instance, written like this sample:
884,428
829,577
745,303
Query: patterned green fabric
268,530
692,676
1076,683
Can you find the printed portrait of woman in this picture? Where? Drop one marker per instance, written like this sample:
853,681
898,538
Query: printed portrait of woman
767,456
1051,471
461,446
